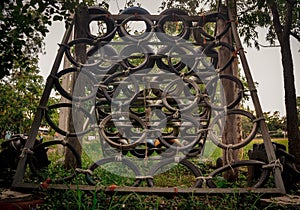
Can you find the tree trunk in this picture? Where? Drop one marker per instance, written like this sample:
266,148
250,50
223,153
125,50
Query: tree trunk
283,35
63,122
76,118
290,100
231,132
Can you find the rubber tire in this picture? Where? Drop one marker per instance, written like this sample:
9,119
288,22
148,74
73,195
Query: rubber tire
42,146
105,16
262,180
134,11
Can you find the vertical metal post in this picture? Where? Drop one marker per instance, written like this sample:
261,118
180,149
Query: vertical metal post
18,178
259,113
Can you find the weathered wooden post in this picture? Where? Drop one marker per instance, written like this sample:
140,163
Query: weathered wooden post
231,131
75,118
259,113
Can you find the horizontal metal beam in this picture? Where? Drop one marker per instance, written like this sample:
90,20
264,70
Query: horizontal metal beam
150,190
151,17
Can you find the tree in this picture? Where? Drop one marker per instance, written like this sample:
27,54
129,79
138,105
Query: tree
298,109
81,20
24,25
282,20
275,122
20,94
232,127
193,6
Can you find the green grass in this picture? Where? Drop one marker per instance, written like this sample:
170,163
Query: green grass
212,152
97,201
178,176
244,151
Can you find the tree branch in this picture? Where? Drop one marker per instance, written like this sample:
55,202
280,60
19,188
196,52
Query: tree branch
248,9
267,46
276,21
291,1
288,19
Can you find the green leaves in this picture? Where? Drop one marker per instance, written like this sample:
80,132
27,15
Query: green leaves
20,95
193,6
261,4
251,14
23,25
57,18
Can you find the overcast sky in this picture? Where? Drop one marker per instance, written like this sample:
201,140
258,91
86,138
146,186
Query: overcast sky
265,64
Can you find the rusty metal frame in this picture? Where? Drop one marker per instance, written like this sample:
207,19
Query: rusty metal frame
18,178
19,184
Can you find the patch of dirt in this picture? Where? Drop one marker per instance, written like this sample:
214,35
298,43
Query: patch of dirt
286,200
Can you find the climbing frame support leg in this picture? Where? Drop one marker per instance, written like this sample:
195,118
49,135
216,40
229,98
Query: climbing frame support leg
259,113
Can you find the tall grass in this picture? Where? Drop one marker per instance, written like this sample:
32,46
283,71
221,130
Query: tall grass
133,201
83,200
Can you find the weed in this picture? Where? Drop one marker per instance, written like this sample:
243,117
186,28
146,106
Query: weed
178,176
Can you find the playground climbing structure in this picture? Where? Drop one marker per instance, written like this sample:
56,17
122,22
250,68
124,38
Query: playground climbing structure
153,95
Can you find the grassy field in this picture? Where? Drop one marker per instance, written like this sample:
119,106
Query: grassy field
133,201
283,141
212,152
178,176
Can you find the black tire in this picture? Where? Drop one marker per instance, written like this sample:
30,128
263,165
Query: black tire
63,132
119,145
138,107
208,62
137,14
173,14
134,10
105,16
195,170
185,136
164,151
103,108
90,180
66,94
196,150
108,94
146,151
39,161
211,18
107,54
261,181
211,89
188,58
241,144
126,53
209,49
70,46
187,82
163,54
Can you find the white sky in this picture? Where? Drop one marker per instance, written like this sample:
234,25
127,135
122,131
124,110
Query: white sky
265,64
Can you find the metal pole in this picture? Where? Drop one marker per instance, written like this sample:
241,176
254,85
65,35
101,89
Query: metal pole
259,113
18,178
